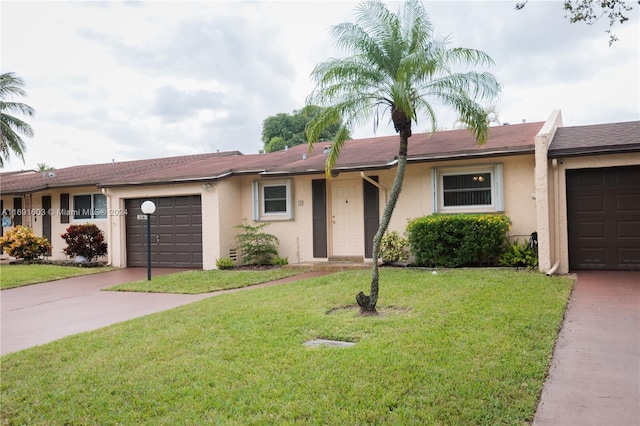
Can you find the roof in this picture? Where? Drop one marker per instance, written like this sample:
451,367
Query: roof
359,154
608,138
92,174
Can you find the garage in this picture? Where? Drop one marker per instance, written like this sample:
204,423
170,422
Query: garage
176,232
603,215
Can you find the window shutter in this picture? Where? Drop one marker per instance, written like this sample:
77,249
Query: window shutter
64,208
256,201
17,208
499,187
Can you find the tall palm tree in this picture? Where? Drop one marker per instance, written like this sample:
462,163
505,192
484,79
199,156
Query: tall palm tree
10,126
397,65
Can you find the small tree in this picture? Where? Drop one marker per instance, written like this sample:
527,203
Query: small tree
257,247
84,240
21,243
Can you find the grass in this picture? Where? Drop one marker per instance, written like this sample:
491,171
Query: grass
194,282
464,347
20,275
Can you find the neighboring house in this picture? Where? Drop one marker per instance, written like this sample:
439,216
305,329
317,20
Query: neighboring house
541,175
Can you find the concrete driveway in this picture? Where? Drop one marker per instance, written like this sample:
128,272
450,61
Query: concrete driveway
595,373
40,313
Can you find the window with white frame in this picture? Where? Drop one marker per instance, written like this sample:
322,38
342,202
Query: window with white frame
90,206
468,189
272,200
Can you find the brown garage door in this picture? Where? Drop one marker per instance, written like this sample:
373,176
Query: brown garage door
176,232
603,214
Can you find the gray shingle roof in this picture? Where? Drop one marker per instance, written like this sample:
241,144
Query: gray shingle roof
596,139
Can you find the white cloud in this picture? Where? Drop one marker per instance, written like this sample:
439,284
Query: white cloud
129,80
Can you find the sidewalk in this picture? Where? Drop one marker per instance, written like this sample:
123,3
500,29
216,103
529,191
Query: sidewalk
40,313
595,373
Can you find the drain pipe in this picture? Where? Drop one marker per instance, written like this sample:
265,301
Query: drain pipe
556,219
376,184
105,192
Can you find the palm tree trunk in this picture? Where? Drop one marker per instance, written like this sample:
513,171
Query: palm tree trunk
368,303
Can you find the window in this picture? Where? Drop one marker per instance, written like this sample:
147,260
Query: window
275,199
90,206
477,189
272,200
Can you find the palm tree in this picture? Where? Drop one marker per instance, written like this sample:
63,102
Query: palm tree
10,86
397,66
44,167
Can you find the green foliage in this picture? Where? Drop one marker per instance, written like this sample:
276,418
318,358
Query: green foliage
21,243
225,263
196,282
589,12
464,347
11,126
257,247
280,260
393,248
84,240
458,240
284,129
26,274
519,255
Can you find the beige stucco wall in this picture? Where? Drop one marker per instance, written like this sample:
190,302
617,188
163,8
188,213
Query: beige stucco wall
295,235
32,204
117,224
546,196
585,162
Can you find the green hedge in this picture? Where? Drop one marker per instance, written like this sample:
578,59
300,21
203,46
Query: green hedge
452,241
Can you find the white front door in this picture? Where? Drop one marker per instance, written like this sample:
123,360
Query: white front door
346,218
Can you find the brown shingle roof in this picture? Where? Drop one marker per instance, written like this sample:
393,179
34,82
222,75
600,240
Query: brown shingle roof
596,139
360,154
92,174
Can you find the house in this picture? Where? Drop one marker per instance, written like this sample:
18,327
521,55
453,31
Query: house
542,175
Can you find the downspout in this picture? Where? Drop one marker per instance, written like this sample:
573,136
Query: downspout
556,218
376,184
105,192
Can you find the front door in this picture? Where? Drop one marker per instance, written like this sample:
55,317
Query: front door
346,218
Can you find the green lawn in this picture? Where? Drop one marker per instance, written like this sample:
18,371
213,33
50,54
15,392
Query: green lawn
463,347
18,275
194,282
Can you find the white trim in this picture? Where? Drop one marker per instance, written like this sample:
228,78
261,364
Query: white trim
92,208
496,172
258,187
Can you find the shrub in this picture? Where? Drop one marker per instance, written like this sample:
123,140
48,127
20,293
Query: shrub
21,243
84,240
257,247
393,248
225,263
520,255
458,240
280,260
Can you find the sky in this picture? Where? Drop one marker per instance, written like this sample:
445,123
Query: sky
124,80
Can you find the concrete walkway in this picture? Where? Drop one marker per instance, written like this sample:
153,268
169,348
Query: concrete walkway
40,313
595,373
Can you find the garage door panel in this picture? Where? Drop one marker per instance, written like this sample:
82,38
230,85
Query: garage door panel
603,216
626,177
628,203
629,257
591,204
628,230
592,257
176,233
591,230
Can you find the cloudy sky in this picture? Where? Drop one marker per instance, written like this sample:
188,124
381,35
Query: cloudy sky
134,80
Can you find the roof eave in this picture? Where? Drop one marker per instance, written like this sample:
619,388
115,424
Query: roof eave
581,151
